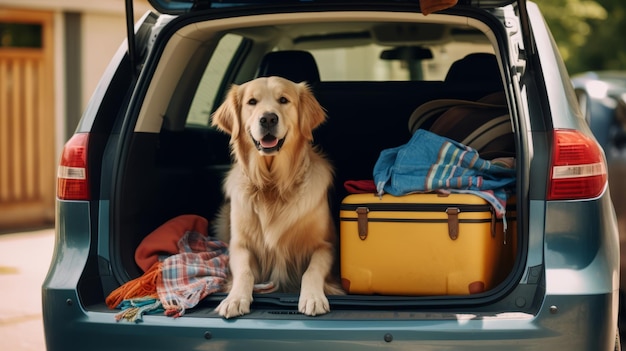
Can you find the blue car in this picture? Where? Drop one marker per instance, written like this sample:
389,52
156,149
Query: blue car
143,173
602,98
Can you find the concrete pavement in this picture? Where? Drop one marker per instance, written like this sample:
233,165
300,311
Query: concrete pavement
24,261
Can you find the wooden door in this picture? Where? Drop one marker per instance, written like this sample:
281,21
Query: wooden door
27,126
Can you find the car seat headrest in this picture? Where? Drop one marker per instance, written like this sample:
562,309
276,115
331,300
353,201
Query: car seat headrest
479,67
297,66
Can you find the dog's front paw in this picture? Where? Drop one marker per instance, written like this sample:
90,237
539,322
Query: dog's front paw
313,304
234,306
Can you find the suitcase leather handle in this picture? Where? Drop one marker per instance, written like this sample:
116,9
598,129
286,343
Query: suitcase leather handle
362,221
453,222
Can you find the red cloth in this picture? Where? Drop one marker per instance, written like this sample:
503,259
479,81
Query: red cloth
163,241
430,6
360,186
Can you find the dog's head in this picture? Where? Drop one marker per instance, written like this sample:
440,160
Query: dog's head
269,113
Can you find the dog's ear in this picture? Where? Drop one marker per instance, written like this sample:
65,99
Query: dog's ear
226,117
312,114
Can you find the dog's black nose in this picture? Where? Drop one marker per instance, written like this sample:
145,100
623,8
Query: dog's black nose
268,120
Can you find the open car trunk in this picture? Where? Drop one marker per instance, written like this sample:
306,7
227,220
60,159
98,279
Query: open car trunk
174,163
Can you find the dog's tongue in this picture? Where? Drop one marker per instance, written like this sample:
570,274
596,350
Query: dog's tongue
269,141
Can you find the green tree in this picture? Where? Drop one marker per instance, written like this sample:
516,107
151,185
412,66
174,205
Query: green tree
588,32
607,49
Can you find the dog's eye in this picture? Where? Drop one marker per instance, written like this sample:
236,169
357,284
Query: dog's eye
283,100
252,101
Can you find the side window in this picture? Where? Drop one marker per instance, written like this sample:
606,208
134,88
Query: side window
204,99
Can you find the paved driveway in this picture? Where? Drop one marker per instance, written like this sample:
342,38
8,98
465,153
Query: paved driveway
24,261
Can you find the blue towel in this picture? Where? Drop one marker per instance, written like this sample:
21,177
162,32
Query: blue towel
429,162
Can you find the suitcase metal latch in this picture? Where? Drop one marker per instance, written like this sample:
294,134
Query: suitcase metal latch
453,222
362,221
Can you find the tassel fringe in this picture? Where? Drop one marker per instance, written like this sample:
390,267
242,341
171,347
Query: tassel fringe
142,287
133,310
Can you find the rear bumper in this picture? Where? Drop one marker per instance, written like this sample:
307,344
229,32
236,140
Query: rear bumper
563,323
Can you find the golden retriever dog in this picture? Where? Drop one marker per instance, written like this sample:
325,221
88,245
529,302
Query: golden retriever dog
277,216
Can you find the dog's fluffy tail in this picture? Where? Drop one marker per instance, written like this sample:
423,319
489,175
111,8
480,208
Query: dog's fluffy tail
221,224
332,287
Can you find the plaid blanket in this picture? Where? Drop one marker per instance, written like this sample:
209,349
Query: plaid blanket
200,269
429,162
180,281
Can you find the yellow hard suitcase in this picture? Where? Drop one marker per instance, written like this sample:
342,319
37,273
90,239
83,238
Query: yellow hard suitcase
423,244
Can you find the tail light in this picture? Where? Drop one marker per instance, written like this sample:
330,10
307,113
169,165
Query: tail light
72,176
578,167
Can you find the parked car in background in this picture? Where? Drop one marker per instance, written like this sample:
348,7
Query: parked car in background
602,99
145,153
